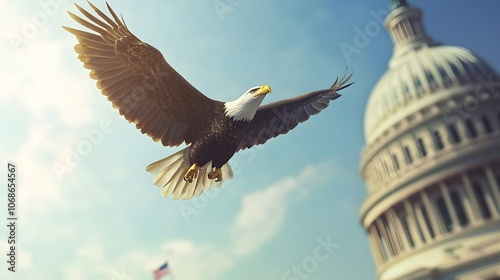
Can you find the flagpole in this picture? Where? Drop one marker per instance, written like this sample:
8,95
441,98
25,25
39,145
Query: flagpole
172,274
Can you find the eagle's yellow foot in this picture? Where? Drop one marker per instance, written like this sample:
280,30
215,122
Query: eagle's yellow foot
191,174
217,174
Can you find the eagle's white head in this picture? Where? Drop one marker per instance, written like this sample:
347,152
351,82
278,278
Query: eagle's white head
244,108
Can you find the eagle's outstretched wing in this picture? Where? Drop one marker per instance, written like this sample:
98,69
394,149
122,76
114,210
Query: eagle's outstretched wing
138,81
280,117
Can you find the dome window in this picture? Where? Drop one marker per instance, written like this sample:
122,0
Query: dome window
471,129
386,168
395,162
487,124
455,136
408,157
444,75
418,85
408,95
421,147
438,140
431,80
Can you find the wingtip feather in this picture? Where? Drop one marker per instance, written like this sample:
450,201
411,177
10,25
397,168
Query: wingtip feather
342,83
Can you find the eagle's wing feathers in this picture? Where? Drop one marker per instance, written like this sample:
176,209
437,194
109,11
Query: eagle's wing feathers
137,80
280,117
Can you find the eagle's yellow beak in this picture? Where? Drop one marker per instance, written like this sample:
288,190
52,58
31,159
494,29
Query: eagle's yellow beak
263,90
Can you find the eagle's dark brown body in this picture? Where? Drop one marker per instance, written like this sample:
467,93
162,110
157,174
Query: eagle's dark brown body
217,140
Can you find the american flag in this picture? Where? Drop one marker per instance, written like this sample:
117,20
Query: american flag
161,272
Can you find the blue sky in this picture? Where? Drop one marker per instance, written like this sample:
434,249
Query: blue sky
102,218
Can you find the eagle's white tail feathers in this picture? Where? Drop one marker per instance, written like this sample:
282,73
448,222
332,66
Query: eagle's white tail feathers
170,176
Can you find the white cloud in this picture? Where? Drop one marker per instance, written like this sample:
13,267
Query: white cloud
43,83
197,261
92,251
263,212
74,272
56,100
261,216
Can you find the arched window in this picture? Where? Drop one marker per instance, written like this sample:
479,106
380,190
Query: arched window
486,124
386,168
421,147
430,79
444,75
438,140
408,95
395,162
471,129
418,85
408,157
454,134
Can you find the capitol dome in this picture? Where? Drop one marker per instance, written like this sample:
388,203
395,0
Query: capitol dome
431,163
422,76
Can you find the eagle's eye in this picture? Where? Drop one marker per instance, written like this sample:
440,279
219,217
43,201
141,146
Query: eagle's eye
254,90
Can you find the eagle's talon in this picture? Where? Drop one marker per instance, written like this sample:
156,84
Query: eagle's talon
191,174
217,175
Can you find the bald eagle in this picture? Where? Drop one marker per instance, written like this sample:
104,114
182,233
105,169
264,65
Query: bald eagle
150,93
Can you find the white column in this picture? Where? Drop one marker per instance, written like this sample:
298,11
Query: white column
423,224
466,202
375,245
400,230
432,214
390,249
412,219
494,186
394,234
449,206
476,212
488,197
